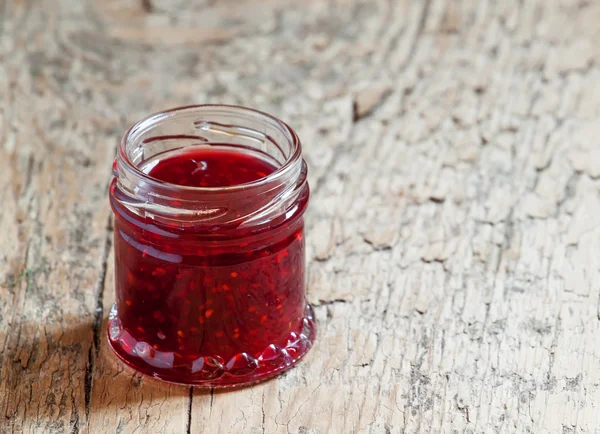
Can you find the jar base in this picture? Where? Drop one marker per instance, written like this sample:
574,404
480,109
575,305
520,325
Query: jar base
212,371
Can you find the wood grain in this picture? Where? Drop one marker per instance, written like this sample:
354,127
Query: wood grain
453,241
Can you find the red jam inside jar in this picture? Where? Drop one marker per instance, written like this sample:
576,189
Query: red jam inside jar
209,247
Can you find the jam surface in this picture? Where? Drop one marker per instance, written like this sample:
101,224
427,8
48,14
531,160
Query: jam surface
215,309
205,167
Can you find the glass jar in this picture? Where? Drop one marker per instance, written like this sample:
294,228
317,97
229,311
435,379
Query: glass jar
210,281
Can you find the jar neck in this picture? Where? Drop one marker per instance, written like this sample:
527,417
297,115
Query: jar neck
278,196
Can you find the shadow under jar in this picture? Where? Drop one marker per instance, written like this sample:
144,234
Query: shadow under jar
209,247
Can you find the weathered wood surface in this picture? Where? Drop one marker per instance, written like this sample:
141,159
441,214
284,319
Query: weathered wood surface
453,235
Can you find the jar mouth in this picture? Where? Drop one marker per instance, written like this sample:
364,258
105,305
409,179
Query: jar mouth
282,193
282,172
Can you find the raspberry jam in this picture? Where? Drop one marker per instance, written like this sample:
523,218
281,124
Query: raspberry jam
209,247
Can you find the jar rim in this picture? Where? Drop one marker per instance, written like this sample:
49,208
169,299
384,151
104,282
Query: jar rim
281,172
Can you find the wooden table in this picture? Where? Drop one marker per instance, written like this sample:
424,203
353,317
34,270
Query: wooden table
453,236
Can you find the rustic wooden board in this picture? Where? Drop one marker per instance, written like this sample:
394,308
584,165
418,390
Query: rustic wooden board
453,236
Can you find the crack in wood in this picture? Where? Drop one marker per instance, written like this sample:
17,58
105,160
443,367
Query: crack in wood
147,6
419,32
330,302
263,412
188,426
97,323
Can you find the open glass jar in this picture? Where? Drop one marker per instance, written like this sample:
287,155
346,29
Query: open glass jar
210,277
